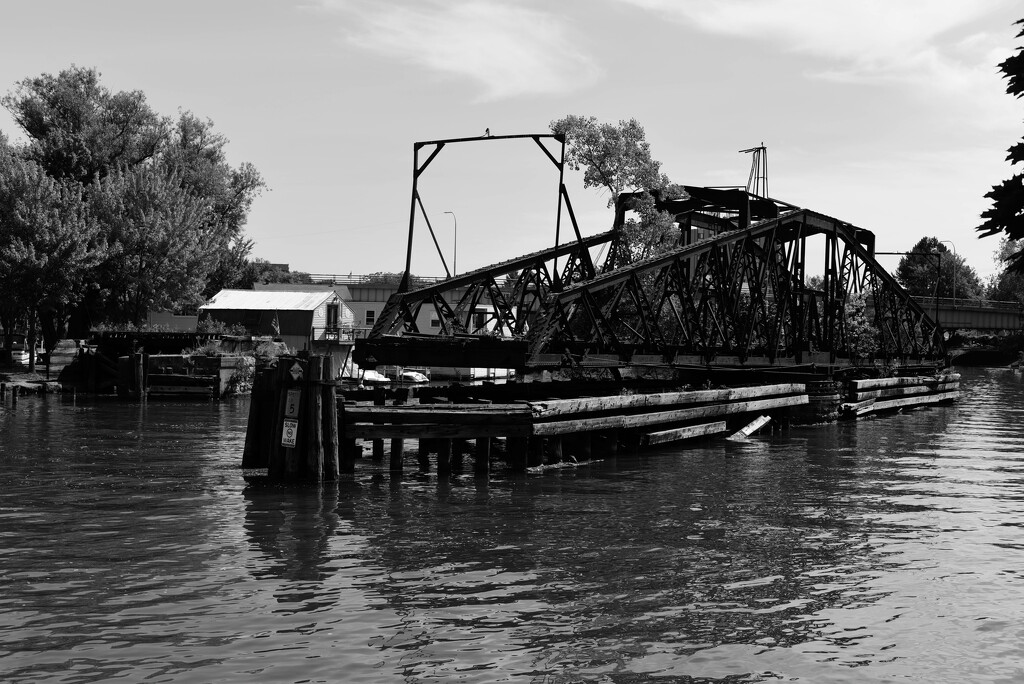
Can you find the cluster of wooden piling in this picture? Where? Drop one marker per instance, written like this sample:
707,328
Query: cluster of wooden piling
887,394
293,421
544,432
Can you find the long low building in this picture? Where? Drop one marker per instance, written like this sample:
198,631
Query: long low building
318,320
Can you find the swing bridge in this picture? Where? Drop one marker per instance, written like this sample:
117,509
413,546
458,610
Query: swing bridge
745,282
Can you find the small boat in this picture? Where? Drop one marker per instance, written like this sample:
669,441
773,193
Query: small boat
372,377
413,376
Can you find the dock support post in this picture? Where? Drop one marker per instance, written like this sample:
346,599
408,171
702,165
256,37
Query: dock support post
379,399
458,453
535,452
554,450
423,453
517,447
397,443
482,461
444,457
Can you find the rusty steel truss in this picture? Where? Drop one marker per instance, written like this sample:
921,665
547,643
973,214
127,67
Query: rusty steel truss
738,297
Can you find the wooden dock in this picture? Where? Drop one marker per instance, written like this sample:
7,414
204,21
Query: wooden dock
295,433
888,394
543,431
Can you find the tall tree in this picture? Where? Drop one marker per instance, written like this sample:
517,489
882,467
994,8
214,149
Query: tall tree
613,157
49,245
79,130
931,270
196,153
1006,215
617,158
162,245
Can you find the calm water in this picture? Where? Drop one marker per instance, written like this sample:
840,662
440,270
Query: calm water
891,549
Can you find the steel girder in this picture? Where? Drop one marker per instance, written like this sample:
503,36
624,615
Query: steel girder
739,298
512,295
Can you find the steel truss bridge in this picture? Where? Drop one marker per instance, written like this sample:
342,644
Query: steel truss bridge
740,297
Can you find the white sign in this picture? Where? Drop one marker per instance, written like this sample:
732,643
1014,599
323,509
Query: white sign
296,370
291,403
290,432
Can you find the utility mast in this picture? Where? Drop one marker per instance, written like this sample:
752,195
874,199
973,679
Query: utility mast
757,182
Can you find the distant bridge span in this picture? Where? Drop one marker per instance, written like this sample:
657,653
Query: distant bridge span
961,314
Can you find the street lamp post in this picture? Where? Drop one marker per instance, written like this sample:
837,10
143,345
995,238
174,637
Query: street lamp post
950,243
455,246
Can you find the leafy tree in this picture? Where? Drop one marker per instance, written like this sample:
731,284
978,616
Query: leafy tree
652,231
196,153
48,243
113,144
919,272
79,130
161,243
1006,215
617,158
1007,285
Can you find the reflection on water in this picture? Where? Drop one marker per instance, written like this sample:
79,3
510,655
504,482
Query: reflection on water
131,548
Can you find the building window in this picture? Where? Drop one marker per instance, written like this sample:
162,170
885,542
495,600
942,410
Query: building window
435,322
371,315
332,316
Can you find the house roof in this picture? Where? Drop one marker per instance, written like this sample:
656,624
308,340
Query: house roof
263,300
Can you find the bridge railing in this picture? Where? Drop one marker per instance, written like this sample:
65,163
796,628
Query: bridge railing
928,303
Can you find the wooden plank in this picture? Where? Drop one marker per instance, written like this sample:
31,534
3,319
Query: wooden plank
562,407
856,407
440,414
911,401
688,432
660,417
879,383
518,407
750,428
890,392
169,390
908,381
432,430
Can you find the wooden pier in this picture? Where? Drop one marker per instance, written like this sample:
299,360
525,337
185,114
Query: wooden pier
542,432
301,429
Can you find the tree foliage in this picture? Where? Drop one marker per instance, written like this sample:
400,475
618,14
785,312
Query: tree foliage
617,159
49,245
1006,214
930,269
613,157
162,243
79,130
166,202
1007,285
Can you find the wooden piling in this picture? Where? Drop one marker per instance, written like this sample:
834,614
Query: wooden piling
329,413
397,443
444,457
379,399
535,452
425,446
517,448
257,415
314,443
482,458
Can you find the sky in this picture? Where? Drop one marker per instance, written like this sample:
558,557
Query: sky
888,114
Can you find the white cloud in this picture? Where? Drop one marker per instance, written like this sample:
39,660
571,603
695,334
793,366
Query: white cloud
867,40
508,50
